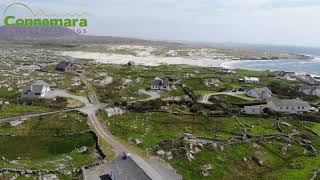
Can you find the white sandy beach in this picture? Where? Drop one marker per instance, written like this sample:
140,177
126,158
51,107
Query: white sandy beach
147,61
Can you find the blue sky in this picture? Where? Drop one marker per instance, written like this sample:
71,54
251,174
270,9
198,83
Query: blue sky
289,22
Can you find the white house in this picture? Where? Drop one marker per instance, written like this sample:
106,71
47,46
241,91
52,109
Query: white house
310,90
159,83
259,93
250,80
288,105
37,90
253,109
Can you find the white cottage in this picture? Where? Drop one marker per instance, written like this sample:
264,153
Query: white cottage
310,90
288,105
250,80
37,90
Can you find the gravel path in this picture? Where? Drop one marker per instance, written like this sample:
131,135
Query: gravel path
161,167
205,99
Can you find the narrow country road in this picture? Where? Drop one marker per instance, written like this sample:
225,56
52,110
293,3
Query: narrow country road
164,169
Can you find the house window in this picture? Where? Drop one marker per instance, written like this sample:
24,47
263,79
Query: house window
37,94
302,107
287,107
281,108
298,107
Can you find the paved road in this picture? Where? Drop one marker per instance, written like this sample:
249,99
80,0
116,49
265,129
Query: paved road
205,99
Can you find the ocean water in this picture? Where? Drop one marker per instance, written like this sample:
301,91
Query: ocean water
299,66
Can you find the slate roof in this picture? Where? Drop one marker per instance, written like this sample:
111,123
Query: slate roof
261,90
37,87
289,102
63,64
311,88
129,167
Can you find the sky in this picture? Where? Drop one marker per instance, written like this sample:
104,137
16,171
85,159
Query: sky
279,22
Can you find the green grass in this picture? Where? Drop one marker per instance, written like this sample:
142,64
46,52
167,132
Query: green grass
5,94
41,142
12,110
153,128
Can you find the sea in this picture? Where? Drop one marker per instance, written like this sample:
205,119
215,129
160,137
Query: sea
299,66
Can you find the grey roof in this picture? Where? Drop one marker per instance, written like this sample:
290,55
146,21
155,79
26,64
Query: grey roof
261,90
63,64
37,87
289,102
311,88
130,167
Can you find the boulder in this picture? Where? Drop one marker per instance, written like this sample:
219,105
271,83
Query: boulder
83,149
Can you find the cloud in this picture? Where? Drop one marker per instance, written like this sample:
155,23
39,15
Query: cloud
250,21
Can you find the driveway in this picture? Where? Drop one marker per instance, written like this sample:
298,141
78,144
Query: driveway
205,99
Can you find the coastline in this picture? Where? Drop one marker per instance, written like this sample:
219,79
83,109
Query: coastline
293,65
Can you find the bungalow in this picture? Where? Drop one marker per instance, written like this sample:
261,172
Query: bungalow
37,90
250,80
310,90
288,105
65,66
160,83
130,167
259,93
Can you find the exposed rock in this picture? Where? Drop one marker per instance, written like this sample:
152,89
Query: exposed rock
14,162
161,152
205,170
83,149
245,159
114,111
106,81
135,141
190,156
68,158
15,123
48,177
126,82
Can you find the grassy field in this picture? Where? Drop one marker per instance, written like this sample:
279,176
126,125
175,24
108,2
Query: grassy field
5,94
42,143
12,110
154,128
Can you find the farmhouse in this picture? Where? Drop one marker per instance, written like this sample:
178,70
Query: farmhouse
310,90
37,90
130,167
259,93
160,83
249,80
288,105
